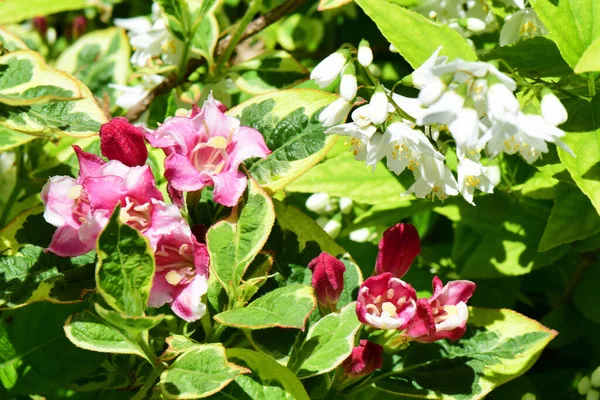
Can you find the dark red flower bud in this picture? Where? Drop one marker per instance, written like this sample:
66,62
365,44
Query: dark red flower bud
79,26
365,358
40,24
119,140
397,250
327,278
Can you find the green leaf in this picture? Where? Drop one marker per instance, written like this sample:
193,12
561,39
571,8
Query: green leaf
205,38
198,373
268,379
331,4
177,14
11,42
585,166
26,79
177,344
14,11
234,242
131,325
88,331
125,267
286,307
333,341
573,218
289,218
35,355
270,71
499,345
343,176
98,59
573,25
10,139
418,37
289,122
586,295
538,56
590,59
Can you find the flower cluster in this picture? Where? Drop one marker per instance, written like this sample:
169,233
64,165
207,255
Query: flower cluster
203,149
473,102
330,211
387,302
589,386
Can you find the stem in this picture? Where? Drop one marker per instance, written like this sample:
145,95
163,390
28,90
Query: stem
182,70
16,190
237,35
591,85
148,383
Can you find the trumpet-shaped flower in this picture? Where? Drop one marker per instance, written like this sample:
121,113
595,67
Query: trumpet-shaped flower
364,359
386,302
80,207
523,24
206,150
444,315
433,178
472,175
181,274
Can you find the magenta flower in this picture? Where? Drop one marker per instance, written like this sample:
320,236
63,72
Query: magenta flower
181,274
80,208
444,315
206,150
327,279
386,302
365,358
119,140
397,250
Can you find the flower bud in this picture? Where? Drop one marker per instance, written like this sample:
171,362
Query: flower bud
79,26
553,111
319,203
365,358
348,85
432,91
593,395
334,113
119,140
584,385
333,228
329,69
397,250
378,106
365,54
346,205
41,25
595,378
327,279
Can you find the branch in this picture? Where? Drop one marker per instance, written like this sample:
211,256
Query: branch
252,29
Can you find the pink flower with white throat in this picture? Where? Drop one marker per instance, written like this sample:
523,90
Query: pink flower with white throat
80,208
444,315
385,302
181,274
207,150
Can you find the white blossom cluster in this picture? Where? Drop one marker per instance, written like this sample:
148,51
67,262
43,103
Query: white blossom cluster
329,210
472,101
469,17
151,40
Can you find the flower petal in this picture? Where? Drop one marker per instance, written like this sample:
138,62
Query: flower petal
182,175
246,143
229,187
397,250
187,300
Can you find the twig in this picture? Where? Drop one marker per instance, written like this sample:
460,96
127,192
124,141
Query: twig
252,29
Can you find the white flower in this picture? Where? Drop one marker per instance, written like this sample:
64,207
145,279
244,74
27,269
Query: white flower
405,147
151,40
466,130
378,106
333,228
329,69
319,203
523,24
432,91
444,111
346,204
423,75
472,175
552,109
365,54
361,116
476,24
501,102
348,85
128,96
335,112
359,137
362,235
433,178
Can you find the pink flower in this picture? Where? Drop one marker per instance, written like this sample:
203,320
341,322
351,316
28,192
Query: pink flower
181,274
443,315
206,150
119,140
80,208
397,250
327,279
386,302
365,358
